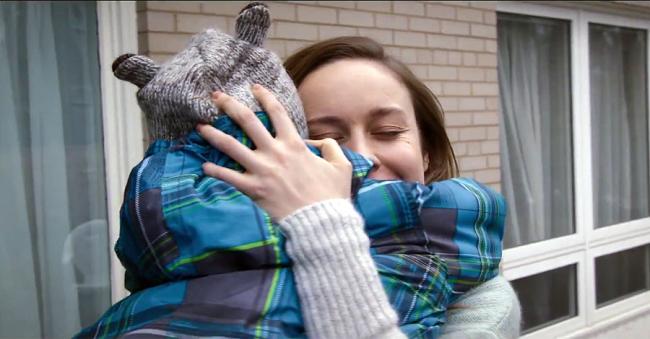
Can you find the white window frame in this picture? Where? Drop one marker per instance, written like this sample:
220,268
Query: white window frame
587,243
121,117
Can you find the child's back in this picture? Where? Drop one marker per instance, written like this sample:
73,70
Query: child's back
203,259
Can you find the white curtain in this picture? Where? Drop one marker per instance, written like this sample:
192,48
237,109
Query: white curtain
619,120
536,153
536,156
51,173
619,123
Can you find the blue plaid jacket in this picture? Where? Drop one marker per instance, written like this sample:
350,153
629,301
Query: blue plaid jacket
202,259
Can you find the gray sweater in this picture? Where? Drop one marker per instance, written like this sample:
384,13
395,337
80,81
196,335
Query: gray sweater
342,296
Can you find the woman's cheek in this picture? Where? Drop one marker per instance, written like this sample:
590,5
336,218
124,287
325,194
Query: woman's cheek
405,159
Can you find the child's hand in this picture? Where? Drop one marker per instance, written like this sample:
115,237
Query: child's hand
281,175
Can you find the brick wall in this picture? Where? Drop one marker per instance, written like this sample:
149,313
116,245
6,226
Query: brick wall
450,46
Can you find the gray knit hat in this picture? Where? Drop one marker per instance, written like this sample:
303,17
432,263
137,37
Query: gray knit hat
177,95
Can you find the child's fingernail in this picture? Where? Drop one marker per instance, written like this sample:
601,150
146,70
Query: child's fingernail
216,94
256,86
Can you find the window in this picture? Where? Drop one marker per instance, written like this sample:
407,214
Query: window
553,294
621,274
55,229
619,123
575,159
70,133
534,76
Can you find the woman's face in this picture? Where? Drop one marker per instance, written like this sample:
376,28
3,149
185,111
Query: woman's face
362,105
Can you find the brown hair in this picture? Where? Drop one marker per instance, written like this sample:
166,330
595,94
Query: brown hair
428,111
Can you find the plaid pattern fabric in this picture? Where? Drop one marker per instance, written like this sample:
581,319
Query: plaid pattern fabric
202,259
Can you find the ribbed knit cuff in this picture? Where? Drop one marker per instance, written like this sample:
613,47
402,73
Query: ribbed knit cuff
338,284
489,310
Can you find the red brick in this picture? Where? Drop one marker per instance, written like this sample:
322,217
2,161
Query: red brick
454,28
316,14
356,18
473,163
408,7
443,73
440,11
473,133
467,14
391,21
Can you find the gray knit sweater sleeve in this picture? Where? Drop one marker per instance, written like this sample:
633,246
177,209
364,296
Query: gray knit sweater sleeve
488,311
339,288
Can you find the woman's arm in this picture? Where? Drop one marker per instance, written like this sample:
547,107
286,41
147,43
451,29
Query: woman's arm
338,284
339,288
490,310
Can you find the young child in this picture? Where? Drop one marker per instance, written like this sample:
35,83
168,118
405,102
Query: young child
202,259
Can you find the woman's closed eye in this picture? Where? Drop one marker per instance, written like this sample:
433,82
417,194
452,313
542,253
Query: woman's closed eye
336,136
389,132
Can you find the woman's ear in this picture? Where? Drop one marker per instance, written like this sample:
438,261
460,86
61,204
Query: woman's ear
136,69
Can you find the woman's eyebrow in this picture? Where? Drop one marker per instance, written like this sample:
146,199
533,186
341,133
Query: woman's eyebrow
381,112
375,114
327,120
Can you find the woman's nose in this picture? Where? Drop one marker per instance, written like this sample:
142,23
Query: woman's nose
375,161
361,146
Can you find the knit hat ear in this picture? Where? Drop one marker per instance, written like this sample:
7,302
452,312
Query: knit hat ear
253,23
136,69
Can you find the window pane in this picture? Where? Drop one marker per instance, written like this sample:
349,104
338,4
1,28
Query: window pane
547,298
536,152
54,263
619,120
622,274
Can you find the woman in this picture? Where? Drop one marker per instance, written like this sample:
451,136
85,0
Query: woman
356,96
